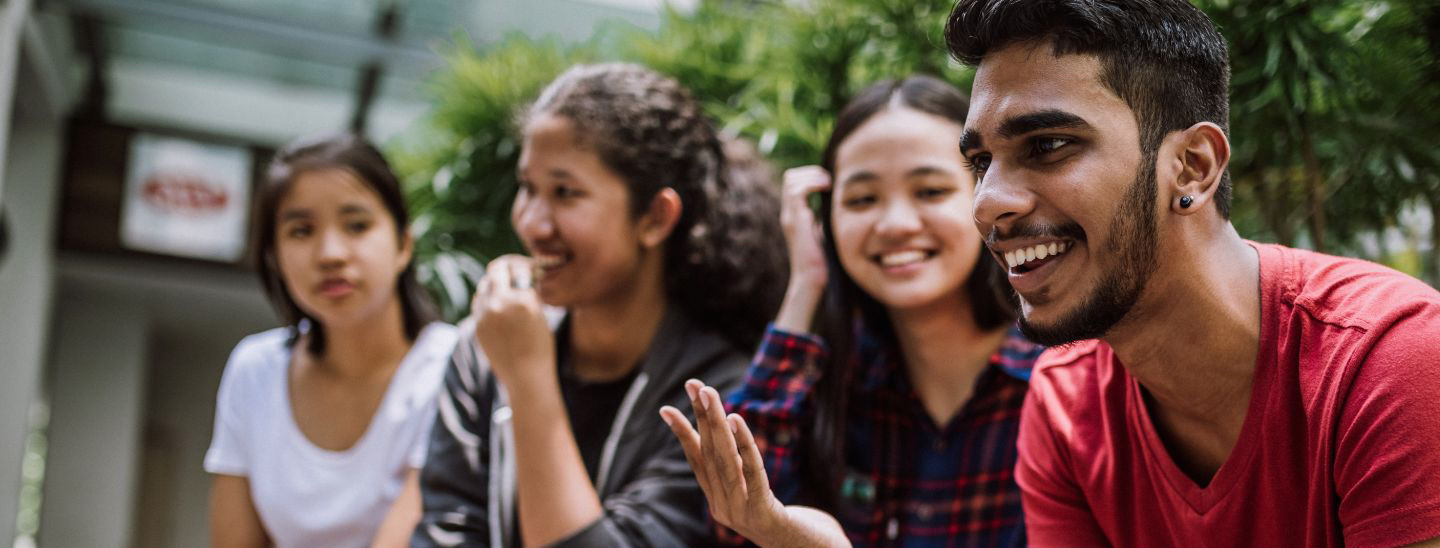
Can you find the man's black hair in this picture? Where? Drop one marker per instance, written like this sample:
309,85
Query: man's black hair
1164,58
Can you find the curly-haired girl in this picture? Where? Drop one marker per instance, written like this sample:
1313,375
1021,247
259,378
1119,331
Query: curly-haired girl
663,252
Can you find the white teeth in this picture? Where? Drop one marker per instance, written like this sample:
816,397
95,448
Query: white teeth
902,258
1034,253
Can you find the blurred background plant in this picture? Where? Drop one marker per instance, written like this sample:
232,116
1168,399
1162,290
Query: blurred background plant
1332,122
1332,117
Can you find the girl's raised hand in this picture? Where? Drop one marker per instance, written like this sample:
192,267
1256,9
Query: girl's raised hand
808,271
510,325
802,232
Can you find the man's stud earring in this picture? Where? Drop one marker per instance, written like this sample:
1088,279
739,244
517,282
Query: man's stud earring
1185,202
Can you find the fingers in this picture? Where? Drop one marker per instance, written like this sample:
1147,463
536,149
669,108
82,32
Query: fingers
802,181
721,447
510,272
751,464
690,442
803,232
692,388
522,283
482,291
499,275
484,300
710,432
521,277
508,280
799,184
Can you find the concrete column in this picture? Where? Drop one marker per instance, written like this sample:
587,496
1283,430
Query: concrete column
13,14
27,277
97,386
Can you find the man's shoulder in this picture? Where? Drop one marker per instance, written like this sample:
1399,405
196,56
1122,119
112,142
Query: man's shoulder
1355,326
1348,292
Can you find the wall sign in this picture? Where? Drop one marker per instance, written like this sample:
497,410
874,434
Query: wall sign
186,198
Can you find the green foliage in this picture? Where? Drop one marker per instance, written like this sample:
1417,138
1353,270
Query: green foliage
1328,143
778,73
1331,111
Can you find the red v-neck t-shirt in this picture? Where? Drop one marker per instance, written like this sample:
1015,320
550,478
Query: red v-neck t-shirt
1340,444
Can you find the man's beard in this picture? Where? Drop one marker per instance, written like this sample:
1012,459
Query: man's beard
1132,242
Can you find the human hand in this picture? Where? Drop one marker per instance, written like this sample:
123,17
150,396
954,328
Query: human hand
510,325
808,271
728,466
802,231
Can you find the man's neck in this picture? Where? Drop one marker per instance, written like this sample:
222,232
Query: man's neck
1196,330
1192,343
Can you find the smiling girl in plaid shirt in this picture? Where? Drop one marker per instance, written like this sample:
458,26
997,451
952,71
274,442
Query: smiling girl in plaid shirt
895,423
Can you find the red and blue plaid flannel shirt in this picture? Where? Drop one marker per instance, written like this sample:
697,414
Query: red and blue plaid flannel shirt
909,482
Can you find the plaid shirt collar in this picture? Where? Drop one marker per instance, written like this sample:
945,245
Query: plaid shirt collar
1015,357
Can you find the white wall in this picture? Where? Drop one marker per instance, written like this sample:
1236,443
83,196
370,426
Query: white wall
97,387
192,315
184,375
13,14
194,327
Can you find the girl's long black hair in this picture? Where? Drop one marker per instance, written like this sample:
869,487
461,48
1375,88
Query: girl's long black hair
725,262
847,310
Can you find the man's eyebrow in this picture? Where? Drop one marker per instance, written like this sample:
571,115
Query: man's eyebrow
1025,123
1036,121
970,140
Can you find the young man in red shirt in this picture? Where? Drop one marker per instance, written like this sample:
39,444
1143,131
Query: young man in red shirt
1223,392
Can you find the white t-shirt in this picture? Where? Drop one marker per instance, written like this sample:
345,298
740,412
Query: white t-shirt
307,496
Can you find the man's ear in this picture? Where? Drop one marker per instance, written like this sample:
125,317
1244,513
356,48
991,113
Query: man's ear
1202,153
660,217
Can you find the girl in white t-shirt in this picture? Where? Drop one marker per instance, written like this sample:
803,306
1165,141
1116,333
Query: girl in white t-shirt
321,426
